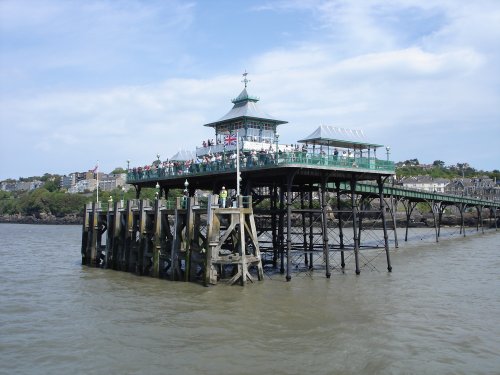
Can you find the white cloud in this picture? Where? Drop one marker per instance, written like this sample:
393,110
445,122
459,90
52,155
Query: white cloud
420,87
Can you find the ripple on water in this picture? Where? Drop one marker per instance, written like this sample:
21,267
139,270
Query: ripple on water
437,312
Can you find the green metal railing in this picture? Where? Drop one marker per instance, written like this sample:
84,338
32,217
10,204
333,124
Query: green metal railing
416,195
260,161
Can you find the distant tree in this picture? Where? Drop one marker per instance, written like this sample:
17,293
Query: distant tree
494,174
412,162
47,177
438,163
119,170
9,205
52,184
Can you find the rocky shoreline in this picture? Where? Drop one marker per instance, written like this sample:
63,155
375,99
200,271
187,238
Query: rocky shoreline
470,220
42,219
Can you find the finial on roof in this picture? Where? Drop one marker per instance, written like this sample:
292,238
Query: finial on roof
245,80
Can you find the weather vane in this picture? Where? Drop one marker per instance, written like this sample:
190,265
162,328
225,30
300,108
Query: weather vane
245,80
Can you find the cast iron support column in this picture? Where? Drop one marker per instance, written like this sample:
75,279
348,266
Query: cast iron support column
288,226
280,230
462,221
274,208
442,207
384,224
409,207
360,219
434,209
304,228
326,250
479,218
354,228
311,227
341,233
394,211
495,216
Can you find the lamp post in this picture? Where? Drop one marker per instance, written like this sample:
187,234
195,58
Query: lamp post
276,137
128,165
387,149
110,202
157,186
186,194
158,157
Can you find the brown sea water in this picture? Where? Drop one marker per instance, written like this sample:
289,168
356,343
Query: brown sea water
438,312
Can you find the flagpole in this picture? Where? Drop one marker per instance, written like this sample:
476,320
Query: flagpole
97,175
237,164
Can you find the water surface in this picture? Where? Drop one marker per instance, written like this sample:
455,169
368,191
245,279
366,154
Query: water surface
438,312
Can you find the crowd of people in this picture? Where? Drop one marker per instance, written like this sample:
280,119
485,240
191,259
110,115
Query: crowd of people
222,161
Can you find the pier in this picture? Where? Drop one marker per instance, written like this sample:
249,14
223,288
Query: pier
292,208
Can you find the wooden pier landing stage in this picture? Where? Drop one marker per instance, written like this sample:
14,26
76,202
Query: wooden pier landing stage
302,208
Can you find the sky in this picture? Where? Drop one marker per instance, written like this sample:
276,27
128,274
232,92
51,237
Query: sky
111,81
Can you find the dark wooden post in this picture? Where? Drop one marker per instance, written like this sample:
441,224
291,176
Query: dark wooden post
92,261
139,267
157,240
129,237
85,234
117,233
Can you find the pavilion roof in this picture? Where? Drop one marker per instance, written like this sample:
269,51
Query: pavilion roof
183,155
327,135
246,106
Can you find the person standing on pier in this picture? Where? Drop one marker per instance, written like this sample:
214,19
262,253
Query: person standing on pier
223,197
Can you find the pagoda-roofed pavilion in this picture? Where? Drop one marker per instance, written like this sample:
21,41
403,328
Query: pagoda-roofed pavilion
330,136
256,129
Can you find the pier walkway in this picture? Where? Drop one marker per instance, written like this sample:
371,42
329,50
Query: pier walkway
316,205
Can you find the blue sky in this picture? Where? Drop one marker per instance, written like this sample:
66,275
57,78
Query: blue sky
112,81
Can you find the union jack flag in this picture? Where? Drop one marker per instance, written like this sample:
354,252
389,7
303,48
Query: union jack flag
230,140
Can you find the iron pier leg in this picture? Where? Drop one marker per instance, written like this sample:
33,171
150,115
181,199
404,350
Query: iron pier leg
137,191
280,229
288,228
495,216
434,208
462,220
480,218
394,211
274,208
360,220
311,227
304,228
326,250
409,207
384,224
341,234
440,218
354,229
